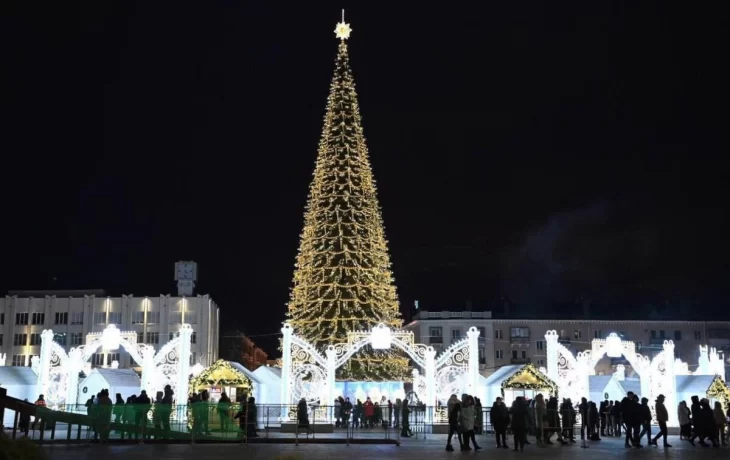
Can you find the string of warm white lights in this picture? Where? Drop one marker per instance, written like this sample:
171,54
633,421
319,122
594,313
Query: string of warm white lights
342,279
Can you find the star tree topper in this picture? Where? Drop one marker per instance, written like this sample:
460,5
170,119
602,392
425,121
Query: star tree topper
343,29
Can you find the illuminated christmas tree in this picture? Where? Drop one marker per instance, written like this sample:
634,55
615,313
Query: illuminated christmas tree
342,280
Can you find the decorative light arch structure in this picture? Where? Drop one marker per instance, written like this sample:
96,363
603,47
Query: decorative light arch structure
59,371
572,372
301,359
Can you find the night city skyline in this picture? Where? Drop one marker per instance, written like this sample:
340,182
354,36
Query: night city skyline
536,156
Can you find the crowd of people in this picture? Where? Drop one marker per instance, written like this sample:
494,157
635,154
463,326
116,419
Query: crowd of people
465,417
362,415
631,416
135,412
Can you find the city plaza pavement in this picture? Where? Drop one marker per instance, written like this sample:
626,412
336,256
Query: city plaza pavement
411,449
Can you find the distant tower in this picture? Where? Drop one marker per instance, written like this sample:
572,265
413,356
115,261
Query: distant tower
186,274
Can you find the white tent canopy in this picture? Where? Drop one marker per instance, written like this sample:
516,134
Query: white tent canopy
123,381
599,386
269,386
20,383
693,385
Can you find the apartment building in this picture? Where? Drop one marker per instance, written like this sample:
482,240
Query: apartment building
441,329
521,341
74,314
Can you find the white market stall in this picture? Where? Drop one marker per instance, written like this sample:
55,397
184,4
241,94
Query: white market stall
605,387
123,381
20,383
509,382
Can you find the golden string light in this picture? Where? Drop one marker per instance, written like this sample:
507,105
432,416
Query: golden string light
342,277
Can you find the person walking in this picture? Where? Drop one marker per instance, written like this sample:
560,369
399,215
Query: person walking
519,423
698,428
499,417
631,417
685,423
645,419
467,417
662,416
453,407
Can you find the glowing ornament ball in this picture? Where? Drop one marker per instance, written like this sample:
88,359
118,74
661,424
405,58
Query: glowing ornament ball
614,349
111,338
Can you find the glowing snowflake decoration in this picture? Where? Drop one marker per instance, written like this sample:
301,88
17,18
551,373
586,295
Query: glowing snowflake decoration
343,30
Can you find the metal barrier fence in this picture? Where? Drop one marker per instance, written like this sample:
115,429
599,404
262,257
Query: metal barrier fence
203,422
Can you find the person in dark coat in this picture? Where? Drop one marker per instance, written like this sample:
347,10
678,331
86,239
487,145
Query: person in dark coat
630,414
662,417
583,410
553,421
594,422
567,413
251,414
645,419
519,415
453,407
616,416
603,408
698,425
303,416
405,414
708,421
499,417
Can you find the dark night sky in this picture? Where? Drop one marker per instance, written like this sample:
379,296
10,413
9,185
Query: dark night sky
534,151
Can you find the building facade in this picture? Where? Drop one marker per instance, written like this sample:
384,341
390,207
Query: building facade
441,329
74,314
521,341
